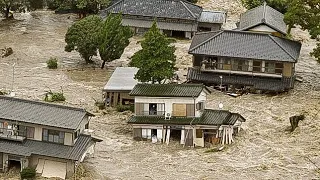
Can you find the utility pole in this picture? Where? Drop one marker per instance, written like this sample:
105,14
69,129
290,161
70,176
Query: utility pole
12,93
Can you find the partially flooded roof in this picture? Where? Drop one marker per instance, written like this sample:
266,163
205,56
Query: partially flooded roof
122,79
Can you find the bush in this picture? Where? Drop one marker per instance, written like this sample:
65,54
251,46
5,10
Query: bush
28,173
54,96
52,63
122,108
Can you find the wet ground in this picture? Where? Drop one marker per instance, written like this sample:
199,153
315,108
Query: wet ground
265,149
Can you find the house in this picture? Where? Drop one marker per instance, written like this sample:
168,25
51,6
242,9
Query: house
174,17
121,82
51,138
263,19
166,111
243,59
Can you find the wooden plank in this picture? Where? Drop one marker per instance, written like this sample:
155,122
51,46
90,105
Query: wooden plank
189,137
179,109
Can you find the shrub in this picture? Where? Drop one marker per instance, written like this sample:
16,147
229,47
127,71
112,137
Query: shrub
54,96
122,108
28,173
52,63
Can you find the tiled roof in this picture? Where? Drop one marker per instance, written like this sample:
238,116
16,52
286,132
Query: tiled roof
212,17
208,117
263,14
168,90
32,147
166,25
201,37
35,112
178,9
259,83
249,45
122,79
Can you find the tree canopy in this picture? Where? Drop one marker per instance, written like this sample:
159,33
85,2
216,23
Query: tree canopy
13,5
113,39
83,36
305,13
280,5
156,59
91,34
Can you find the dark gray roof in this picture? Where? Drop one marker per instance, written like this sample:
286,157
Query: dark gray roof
168,90
208,117
41,113
156,8
201,37
258,83
249,45
32,147
263,14
166,25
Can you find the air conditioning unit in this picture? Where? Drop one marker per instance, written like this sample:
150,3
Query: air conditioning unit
168,116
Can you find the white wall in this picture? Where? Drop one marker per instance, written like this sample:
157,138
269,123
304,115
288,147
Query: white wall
263,28
169,101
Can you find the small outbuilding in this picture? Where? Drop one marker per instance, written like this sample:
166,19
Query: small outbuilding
117,89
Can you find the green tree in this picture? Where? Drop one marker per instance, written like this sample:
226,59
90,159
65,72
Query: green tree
280,5
90,6
156,59
305,13
113,39
13,5
83,36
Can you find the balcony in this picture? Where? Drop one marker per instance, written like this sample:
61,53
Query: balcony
242,70
11,134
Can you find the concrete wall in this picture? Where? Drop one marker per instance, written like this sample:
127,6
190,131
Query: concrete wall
169,101
34,159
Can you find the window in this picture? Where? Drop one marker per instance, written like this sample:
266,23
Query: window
200,106
256,66
239,65
53,136
30,132
270,67
279,68
156,109
86,126
198,133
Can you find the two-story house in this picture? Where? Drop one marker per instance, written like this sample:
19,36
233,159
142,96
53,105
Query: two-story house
48,137
244,59
174,17
163,111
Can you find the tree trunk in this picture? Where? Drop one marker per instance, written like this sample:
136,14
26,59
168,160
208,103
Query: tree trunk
7,12
103,63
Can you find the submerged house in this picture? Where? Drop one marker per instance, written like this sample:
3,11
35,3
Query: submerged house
166,111
243,59
50,138
174,17
117,89
263,19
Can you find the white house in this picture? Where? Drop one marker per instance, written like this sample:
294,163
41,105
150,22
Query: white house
177,111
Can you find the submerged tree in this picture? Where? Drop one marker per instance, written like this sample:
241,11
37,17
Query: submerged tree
13,5
113,39
83,36
90,6
156,59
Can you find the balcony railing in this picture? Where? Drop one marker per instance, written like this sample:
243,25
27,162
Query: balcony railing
153,113
12,134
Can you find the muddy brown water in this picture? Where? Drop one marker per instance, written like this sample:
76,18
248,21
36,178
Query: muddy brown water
264,149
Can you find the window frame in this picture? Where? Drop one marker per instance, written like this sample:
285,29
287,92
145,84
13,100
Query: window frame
53,136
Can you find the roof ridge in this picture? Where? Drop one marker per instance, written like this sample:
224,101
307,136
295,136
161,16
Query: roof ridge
206,40
182,2
263,20
274,40
43,103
